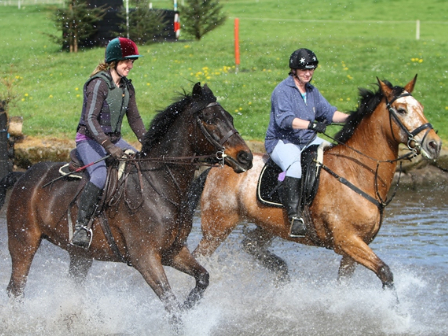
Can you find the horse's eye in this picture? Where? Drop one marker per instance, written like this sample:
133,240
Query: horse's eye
401,111
208,117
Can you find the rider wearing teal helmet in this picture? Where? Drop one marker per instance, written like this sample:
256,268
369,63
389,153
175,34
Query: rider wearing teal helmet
109,96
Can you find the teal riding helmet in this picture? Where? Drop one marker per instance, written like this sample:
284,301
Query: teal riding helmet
120,49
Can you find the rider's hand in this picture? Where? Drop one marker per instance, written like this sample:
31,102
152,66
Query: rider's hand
113,150
317,126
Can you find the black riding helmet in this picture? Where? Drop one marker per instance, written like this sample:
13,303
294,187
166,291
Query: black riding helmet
303,59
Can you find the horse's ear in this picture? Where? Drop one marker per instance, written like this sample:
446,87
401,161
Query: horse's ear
197,90
386,90
410,86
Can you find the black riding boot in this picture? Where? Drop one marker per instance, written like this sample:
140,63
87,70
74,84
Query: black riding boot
291,201
88,201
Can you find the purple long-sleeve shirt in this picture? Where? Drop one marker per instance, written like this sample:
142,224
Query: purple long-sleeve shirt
286,104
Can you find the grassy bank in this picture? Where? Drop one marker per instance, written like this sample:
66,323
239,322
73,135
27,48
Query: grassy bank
356,42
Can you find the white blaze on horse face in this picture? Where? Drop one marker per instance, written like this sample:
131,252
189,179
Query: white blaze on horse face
414,117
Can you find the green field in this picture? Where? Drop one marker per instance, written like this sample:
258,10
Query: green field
356,42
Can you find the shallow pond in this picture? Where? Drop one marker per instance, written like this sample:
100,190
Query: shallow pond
243,298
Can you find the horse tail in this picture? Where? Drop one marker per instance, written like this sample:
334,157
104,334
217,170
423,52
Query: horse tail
6,183
195,191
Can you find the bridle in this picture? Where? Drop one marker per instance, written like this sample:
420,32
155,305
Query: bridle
217,143
412,143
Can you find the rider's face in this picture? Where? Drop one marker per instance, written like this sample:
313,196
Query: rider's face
304,76
123,67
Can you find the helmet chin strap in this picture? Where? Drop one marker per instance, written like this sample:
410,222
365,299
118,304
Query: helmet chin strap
116,71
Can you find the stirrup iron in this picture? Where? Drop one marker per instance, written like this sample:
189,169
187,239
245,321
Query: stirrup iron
297,228
89,233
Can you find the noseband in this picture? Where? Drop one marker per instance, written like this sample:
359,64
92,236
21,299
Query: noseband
412,143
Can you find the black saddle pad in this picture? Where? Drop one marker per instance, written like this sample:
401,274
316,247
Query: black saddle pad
269,188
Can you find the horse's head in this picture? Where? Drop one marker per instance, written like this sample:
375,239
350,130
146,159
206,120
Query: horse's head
218,132
407,121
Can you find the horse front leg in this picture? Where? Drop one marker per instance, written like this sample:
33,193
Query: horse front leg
356,249
186,263
150,267
79,267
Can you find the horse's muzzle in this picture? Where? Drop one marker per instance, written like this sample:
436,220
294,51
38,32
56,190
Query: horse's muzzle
431,147
242,163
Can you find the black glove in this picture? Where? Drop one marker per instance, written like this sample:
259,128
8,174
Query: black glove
317,126
113,150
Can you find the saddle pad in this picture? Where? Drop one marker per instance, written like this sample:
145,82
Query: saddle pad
269,188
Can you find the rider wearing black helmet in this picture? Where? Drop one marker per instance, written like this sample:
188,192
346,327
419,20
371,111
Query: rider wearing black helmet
108,96
298,112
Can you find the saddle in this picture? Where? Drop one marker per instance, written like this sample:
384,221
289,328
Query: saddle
115,172
269,187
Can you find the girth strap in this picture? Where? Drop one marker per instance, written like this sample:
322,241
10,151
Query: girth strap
110,238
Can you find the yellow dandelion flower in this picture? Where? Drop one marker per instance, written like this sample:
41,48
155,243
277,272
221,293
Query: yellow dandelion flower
50,96
26,94
148,84
76,89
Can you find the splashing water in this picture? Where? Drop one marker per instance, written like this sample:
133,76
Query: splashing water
243,298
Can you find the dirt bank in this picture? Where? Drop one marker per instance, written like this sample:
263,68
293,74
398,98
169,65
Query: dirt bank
414,173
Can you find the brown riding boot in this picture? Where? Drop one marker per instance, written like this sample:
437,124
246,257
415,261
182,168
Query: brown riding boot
292,202
88,202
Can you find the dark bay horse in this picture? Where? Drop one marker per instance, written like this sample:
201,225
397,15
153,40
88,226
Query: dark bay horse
340,217
151,221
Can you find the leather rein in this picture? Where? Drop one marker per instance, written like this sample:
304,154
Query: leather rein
413,145
218,156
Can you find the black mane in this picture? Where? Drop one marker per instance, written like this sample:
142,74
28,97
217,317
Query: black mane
369,100
163,120
159,126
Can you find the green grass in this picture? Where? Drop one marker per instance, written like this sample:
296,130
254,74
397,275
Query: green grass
356,42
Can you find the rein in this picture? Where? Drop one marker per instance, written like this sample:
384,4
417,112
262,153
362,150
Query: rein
414,150
219,156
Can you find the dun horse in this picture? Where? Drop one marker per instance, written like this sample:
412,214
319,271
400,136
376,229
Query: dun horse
340,218
150,222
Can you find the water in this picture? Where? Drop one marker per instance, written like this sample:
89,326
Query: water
243,298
